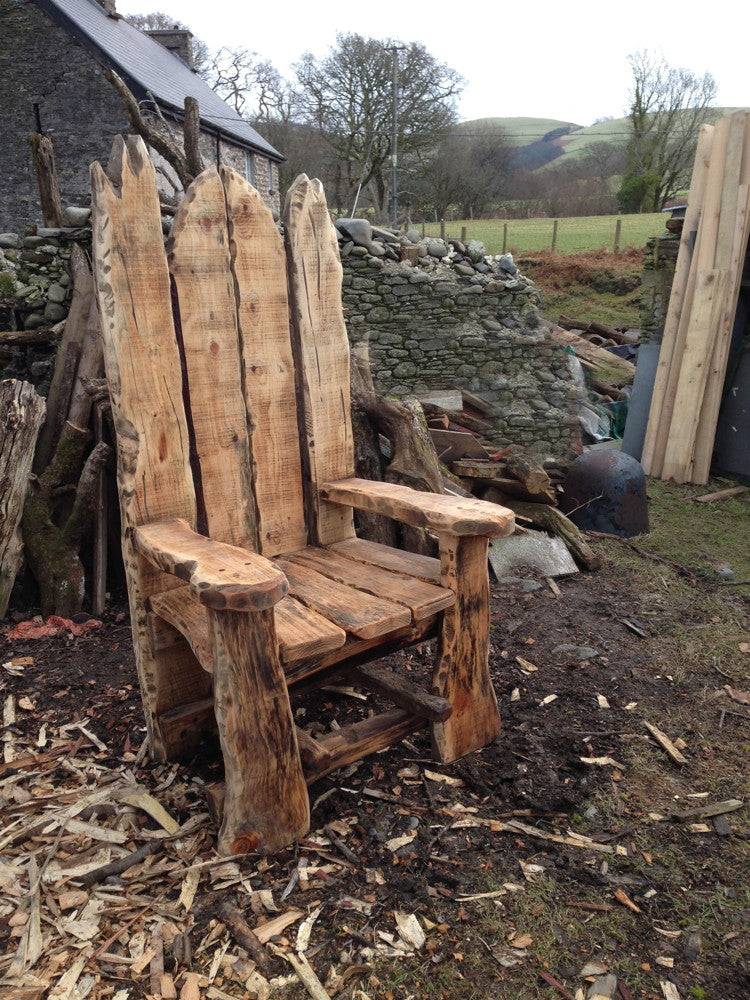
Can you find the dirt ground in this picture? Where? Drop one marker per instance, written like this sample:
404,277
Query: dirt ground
637,888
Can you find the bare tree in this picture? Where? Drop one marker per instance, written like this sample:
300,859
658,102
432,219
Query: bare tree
668,105
346,96
158,20
469,172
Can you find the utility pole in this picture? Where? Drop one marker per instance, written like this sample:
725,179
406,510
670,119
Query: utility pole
394,50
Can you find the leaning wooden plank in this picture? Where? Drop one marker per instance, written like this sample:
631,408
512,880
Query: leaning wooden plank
220,576
677,295
462,674
702,260
361,614
145,381
715,388
396,560
259,273
705,318
266,805
360,739
452,445
321,349
199,262
403,692
422,599
21,417
453,515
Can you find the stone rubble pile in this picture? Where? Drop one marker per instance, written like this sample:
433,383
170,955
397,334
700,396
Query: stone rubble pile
469,261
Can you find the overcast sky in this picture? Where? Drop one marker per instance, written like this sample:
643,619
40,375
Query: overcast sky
546,58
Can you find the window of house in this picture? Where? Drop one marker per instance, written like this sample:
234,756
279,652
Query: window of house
249,168
270,177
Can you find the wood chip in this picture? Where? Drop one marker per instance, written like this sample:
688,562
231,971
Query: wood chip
622,897
669,990
602,701
665,743
189,889
264,932
526,665
410,930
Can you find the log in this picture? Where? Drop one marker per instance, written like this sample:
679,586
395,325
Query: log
528,472
497,473
191,127
553,520
43,154
30,338
403,692
77,329
266,806
21,416
245,936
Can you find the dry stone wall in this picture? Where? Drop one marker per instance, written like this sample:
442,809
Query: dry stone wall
458,318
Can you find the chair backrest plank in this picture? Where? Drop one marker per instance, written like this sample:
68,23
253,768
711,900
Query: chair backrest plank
145,382
321,354
259,272
199,261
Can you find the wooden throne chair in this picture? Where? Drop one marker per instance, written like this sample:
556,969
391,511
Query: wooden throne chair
228,366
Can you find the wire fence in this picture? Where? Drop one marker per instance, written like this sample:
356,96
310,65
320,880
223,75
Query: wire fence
569,235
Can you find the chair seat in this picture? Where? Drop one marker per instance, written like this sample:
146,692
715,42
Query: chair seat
353,591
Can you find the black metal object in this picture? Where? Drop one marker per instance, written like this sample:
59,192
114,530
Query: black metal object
605,490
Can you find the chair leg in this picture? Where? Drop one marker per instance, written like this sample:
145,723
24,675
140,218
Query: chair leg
266,805
462,672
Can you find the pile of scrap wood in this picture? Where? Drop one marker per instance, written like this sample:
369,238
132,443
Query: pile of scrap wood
698,329
458,422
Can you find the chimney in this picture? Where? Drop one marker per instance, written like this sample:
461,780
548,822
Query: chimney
179,41
109,6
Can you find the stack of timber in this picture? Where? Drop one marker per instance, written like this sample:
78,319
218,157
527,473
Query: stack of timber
698,329
457,420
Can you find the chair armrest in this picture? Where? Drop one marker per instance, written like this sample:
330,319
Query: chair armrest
439,513
222,577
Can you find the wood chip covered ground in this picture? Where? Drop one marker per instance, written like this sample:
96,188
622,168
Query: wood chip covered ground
580,850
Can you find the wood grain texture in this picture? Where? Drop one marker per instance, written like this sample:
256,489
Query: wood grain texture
259,272
145,381
669,346
301,633
703,327
21,417
454,515
221,576
462,674
360,739
266,805
200,265
403,692
361,614
422,599
321,350
397,561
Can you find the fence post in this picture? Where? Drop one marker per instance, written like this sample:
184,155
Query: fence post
618,233
463,234
442,229
505,236
423,230
554,235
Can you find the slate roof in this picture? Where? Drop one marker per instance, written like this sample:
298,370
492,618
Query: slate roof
145,63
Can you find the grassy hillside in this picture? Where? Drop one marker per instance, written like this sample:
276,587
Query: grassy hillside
559,139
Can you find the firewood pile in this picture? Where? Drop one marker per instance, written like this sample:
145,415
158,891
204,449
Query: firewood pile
458,423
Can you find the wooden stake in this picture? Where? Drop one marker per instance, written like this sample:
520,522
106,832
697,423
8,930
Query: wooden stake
43,153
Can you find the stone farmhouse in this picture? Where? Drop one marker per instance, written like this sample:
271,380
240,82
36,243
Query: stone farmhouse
52,61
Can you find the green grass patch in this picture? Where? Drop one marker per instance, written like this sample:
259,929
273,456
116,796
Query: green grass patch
600,307
575,234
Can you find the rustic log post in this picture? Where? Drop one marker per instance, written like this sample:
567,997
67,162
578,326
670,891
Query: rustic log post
462,674
191,128
266,806
21,416
43,153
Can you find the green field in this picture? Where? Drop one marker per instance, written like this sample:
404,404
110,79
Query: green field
574,235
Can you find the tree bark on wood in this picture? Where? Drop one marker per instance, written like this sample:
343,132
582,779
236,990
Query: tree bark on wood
191,128
21,416
53,525
43,153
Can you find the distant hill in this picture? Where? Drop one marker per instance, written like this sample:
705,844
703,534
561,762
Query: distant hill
540,141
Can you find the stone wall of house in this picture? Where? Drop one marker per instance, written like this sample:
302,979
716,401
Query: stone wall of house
440,323
42,64
659,261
